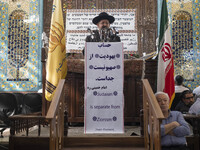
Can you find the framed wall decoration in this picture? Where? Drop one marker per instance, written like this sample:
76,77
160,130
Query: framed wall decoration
20,45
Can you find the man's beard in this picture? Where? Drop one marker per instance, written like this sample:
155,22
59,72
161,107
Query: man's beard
104,27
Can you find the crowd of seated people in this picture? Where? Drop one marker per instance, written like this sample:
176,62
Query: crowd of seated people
174,128
186,100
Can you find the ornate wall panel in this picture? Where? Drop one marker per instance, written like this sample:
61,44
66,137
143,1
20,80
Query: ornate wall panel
79,4
141,43
121,4
80,97
67,4
150,38
108,4
18,46
148,26
20,39
140,9
90,4
183,49
131,4
184,23
150,11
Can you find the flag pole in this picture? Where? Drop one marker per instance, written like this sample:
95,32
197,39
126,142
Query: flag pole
45,103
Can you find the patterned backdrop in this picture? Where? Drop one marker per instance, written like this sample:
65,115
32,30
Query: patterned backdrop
184,21
20,45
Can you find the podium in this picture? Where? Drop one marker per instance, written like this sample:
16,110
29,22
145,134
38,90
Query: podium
134,71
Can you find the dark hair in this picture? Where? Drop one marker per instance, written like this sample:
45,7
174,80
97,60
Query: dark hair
179,80
184,93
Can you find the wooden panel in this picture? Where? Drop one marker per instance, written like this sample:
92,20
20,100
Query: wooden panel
140,32
138,97
121,4
149,26
151,73
79,4
193,142
129,103
24,143
131,4
150,38
68,91
80,95
108,4
30,143
140,11
89,4
150,12
104,141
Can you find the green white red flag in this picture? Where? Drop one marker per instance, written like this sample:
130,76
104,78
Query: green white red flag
165,78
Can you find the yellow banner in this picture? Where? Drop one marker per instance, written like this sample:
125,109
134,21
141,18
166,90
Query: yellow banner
56,63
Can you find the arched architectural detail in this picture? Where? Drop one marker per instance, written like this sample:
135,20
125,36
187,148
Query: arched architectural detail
18,43
182,43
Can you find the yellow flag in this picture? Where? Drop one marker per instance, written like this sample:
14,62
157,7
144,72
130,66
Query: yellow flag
56,63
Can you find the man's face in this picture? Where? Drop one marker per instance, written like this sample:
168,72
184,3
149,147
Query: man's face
163,101
188,99
103,23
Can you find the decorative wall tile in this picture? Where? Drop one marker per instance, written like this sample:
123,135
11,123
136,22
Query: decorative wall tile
184,23
20,42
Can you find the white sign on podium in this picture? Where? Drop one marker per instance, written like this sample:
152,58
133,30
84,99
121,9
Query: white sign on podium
104,99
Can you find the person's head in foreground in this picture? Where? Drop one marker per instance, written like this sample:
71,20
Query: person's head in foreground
163,101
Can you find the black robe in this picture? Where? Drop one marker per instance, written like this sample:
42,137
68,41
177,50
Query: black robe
96,38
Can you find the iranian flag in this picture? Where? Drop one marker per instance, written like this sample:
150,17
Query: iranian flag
165,80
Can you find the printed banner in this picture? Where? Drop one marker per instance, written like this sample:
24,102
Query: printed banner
104,100
79,20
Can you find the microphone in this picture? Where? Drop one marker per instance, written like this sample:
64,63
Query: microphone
105,34
91,33
115,31
108,34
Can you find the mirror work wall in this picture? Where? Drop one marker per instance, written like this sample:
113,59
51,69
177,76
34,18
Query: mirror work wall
20,45
184,22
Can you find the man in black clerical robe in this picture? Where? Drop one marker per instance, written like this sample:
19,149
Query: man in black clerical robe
103,21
